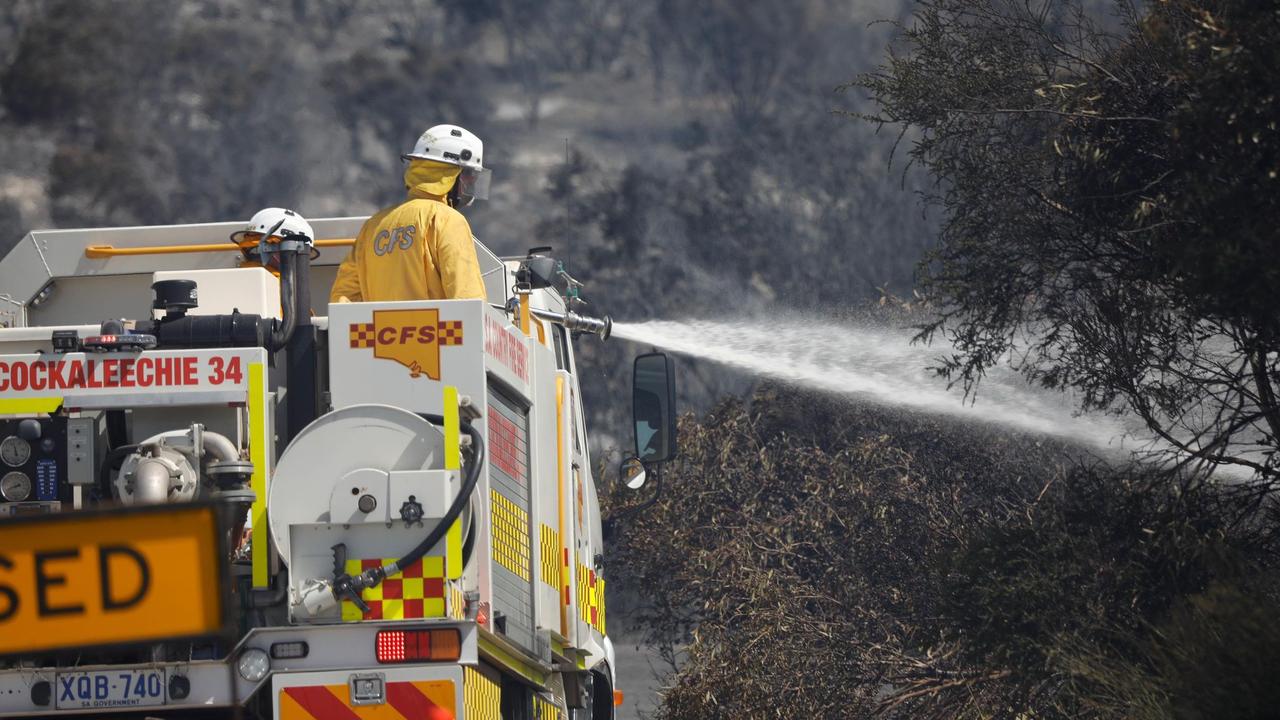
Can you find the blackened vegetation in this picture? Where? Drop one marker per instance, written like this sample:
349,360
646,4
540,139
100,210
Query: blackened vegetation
150,112
810,559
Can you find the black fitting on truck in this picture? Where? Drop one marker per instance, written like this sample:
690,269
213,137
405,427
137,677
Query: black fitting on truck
175,297
208,331
177,329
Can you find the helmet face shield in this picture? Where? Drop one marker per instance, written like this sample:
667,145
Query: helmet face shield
474,184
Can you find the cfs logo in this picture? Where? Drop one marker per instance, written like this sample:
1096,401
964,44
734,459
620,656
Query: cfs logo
410,337
399,238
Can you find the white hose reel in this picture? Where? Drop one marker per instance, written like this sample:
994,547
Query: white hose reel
355,466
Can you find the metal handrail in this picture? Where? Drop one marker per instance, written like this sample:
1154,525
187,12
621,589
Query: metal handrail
108,251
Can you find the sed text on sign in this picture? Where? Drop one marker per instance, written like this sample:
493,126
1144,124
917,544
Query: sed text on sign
116,577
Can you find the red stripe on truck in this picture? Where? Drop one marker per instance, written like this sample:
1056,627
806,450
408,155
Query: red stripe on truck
320,703
410,702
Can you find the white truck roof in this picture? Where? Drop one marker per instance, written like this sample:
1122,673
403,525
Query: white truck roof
89,286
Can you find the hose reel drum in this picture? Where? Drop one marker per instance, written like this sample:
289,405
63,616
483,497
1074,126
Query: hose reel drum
369,477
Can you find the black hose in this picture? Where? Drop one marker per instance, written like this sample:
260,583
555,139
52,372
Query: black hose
302,287
282,331
472,477
117,428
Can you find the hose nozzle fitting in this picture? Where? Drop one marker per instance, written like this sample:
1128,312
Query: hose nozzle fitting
595,326
575,322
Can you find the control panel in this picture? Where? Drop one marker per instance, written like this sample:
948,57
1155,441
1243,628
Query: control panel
35,459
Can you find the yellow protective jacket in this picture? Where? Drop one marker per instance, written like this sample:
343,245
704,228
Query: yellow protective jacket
420,249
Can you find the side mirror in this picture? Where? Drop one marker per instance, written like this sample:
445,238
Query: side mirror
653,407
538,270
632,473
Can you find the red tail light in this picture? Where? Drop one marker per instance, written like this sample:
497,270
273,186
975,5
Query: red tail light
400,646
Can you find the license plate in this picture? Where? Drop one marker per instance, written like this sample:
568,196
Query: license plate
109,689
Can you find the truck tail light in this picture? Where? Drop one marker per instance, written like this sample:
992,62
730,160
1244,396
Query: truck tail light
399,646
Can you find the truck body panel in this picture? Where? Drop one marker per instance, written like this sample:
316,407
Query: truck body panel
402,384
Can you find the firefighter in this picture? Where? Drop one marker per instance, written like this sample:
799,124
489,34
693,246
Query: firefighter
422,249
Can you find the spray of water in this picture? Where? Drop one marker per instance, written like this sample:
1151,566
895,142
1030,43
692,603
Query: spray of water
882,366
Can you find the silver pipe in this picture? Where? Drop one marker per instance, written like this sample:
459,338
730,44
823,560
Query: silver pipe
151,482
220,446
216,444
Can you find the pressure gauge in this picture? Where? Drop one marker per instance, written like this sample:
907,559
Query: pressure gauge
15,486
15,451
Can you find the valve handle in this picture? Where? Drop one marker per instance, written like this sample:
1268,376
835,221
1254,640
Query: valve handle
411,511
339,560
346,587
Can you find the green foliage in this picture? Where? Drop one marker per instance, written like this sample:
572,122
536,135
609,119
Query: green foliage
1225,632
1226,150
1104,552
1110,205
820,560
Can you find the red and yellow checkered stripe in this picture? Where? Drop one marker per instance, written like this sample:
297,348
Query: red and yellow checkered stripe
449,332
481,696
591,598
416,700
418,591
510,535
549,555
362,335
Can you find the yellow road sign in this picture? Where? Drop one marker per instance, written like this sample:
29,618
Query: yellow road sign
122,576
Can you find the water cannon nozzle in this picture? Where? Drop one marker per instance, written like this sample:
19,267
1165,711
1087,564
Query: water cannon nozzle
596,326
575,322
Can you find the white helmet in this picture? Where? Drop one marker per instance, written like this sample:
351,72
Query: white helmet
282,224
455,145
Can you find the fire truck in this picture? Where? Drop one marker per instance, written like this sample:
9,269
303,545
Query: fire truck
400,494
